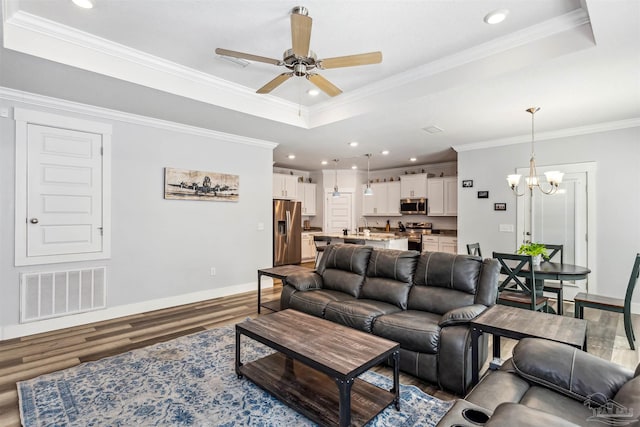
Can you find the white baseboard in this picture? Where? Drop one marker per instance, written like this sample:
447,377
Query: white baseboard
24,329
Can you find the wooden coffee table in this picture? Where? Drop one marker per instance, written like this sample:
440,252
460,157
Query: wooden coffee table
316,364
518,323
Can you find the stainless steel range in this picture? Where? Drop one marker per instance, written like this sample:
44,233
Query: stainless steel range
414,232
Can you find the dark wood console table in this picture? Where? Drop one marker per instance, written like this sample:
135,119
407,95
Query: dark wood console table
279,272
518,323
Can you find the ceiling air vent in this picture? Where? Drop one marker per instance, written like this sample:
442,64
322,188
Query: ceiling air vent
432,129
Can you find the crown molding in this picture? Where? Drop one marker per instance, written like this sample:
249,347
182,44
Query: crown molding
48,39
514,40
78,48
106,113
543,136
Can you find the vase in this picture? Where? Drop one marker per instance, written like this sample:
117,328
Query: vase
537,259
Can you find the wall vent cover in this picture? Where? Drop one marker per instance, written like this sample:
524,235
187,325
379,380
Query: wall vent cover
45,295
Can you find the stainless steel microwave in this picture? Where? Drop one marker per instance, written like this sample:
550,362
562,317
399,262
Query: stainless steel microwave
413,206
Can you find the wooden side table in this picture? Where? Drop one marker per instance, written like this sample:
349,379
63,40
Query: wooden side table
518,323
279,272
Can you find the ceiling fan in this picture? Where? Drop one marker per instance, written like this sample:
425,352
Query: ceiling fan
301,61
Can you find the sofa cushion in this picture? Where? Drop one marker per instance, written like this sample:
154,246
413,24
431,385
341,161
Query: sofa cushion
315,301
513,414
546,400
304,280
437,300
358,314
443,282
629,396
499,386
344,267
568,370
414,330
461,315
451,271
389,276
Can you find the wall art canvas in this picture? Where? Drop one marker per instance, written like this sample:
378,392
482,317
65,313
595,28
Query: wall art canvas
184,184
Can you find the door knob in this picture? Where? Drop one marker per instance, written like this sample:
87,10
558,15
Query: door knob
33,220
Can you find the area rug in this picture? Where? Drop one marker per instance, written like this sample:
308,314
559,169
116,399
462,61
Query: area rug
188,381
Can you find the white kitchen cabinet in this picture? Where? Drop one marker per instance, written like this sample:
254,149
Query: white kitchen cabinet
413,186
448,244
393,198
307,195
434,243
308,247
430,243
442,196
385,200
285,186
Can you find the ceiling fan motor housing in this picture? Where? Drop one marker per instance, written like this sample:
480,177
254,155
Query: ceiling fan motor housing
299,65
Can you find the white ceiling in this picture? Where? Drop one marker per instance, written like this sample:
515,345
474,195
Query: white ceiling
442,65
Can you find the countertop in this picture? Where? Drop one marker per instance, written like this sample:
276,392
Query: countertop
374,237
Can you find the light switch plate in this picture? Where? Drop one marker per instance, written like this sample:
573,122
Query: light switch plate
506,228
260,226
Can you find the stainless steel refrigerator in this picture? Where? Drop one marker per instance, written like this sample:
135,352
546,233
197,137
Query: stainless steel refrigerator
287,232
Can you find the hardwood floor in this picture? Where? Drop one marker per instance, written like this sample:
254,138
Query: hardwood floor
28,357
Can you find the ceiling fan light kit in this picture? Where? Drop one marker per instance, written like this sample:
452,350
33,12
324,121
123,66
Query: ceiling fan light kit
301,61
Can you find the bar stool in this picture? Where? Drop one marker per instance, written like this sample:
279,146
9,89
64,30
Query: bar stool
324,242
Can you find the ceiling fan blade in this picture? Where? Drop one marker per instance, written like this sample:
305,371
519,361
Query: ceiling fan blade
351,60
300,34
324,85
275,83
234,54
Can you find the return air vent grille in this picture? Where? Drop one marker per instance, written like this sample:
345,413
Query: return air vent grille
60,293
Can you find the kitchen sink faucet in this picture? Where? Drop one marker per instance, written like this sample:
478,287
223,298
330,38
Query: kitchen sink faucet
366,225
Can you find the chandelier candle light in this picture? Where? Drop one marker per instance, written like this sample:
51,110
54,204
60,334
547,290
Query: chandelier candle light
554,178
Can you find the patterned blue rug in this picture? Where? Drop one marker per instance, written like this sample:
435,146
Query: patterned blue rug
188,381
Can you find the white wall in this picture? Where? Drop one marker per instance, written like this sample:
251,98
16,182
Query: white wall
617,154
162,250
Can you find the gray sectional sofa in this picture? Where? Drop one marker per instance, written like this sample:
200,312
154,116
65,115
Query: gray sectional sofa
547,383
422,301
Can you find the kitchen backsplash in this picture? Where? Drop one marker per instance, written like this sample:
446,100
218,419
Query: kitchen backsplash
439,222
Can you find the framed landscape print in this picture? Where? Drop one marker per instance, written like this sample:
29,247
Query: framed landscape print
184,184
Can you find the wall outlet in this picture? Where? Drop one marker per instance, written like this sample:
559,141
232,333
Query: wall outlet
212,271
260,226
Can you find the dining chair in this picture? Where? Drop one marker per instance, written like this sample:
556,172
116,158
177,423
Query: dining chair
321,243
518,287
474,249
355,241
555,286
616,305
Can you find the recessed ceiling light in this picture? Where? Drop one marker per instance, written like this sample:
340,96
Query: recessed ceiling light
384,152
85,4
324,162
496,17
354,167
353,144
413,159
291,156
313,92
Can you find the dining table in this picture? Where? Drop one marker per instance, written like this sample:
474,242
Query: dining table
548,270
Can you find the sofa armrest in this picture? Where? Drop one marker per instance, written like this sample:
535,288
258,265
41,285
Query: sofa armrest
461,315
515,414
568,370
304,280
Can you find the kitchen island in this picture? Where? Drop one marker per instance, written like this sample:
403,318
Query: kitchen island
377,240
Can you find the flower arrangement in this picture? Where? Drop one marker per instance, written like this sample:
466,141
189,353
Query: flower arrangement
534,249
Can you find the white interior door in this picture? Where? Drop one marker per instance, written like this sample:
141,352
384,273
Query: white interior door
560,218
64,191
338,212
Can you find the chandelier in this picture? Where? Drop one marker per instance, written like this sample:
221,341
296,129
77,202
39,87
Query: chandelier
336,193
368,191
554,178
